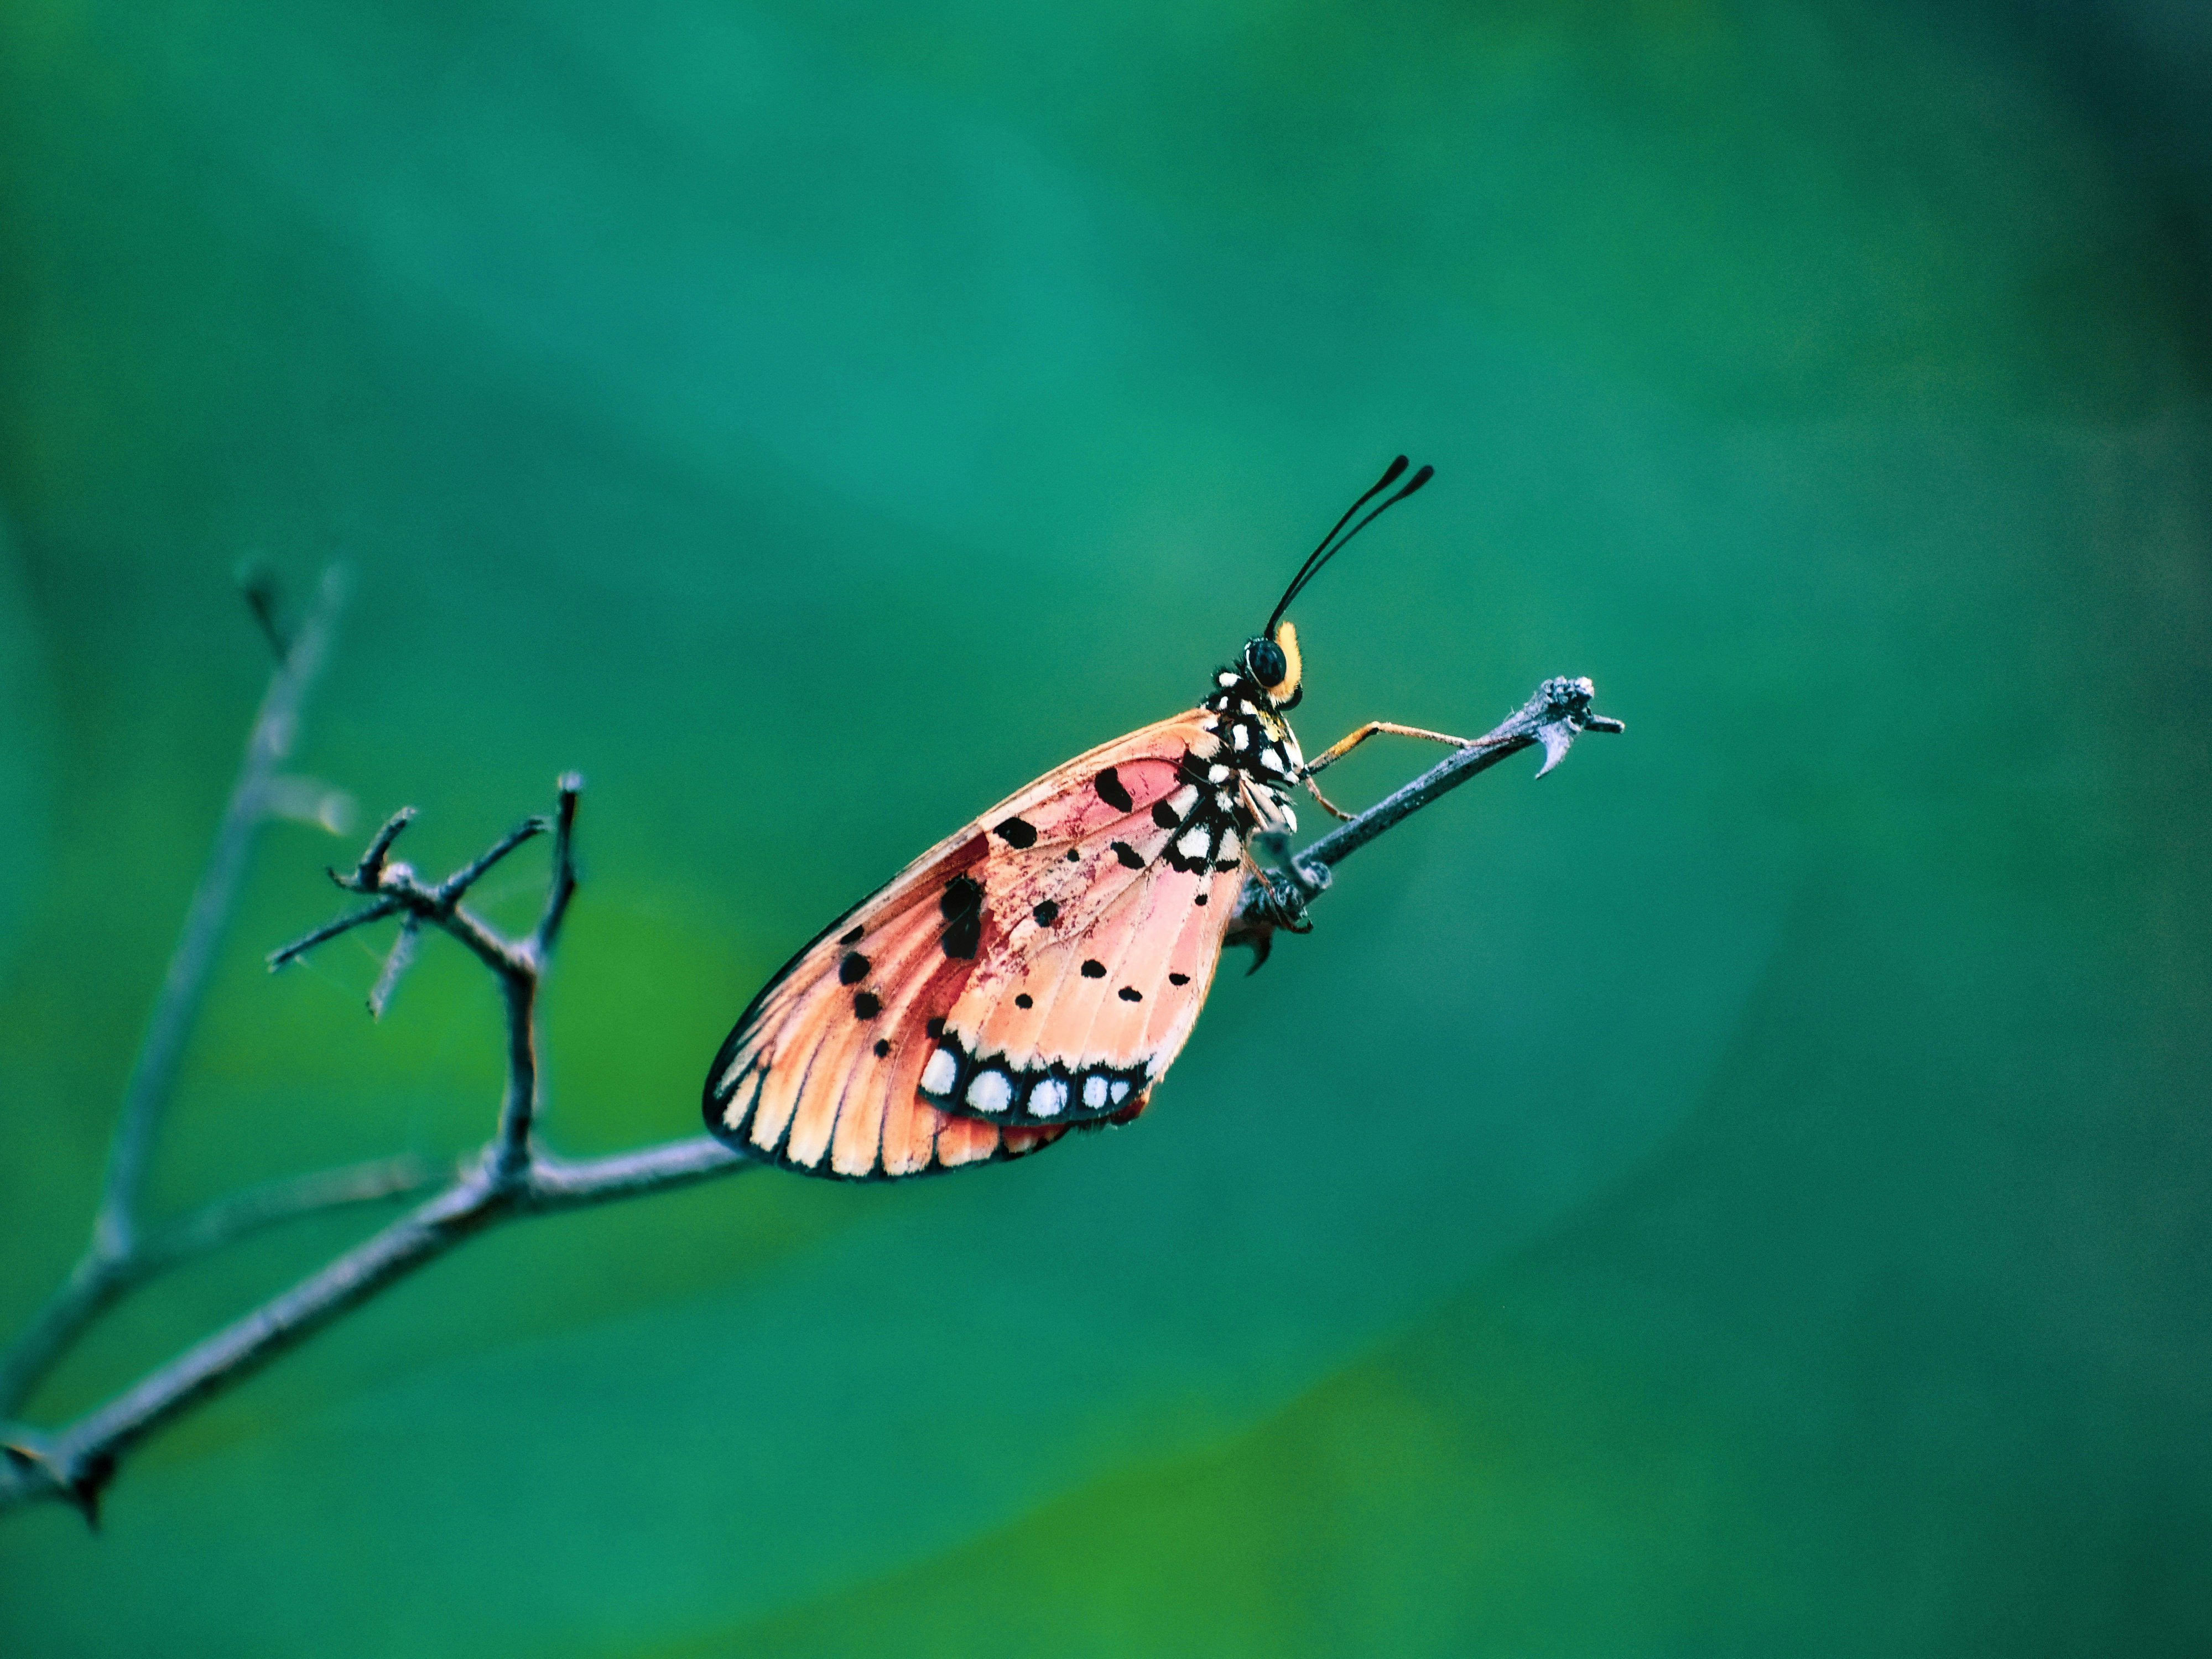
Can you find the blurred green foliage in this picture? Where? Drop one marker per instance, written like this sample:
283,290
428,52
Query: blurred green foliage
1746,1195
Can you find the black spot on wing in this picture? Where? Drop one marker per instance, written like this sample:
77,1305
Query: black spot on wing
1178,979
1113,791
1094,968
936,1025
962,906
883,1047
1128,855
1046,914
1017,832
853,969
1074,857
866,1005
1130,993
1200,899
1164,815
1024,1000
1176,860
854,937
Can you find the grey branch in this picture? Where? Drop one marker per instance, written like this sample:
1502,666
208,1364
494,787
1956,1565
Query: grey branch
121,1254
300,661
76,1463
99,1282
513,1176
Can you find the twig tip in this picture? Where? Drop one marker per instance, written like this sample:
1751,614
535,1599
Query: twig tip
368,874
396,963
258,586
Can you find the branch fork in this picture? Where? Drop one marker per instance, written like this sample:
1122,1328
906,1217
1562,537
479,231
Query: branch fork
514,1175
393,888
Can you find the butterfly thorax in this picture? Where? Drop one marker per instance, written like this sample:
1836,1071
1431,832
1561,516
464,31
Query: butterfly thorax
1247,776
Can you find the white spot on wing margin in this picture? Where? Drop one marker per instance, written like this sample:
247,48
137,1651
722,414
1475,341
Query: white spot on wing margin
990,1091
937,1077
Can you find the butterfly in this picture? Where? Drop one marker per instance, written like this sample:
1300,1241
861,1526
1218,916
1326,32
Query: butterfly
1039,969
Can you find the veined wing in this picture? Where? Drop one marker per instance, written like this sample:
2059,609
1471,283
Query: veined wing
973,1008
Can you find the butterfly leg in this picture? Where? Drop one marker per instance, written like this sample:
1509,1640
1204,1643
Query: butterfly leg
1281,904
1337,751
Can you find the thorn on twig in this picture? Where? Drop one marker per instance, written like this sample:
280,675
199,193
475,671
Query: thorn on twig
1261,938
80,1488
257,585
84,1487
1275,899
396,963
1569,703
1557,739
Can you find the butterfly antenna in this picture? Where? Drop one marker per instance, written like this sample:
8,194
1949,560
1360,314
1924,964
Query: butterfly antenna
1389,477
1332,545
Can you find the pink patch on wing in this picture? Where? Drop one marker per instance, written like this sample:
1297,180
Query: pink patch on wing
1082,812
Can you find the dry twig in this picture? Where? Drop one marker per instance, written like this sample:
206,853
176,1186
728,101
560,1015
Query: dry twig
513,1175
121,1252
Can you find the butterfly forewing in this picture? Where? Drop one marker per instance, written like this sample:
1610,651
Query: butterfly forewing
1037,970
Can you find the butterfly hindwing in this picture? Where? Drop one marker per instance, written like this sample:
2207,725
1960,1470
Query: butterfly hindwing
819,1072
975,1007
1076,1022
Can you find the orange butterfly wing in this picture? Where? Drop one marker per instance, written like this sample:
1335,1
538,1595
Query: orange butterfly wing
1037,970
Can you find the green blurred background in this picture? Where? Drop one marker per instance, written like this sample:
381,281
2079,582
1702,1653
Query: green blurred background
1745,1196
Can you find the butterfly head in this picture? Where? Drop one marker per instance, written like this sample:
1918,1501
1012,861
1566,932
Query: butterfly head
1271,663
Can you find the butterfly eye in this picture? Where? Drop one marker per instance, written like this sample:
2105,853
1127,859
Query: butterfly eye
1263,659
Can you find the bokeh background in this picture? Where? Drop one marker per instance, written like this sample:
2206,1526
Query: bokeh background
1746,1195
